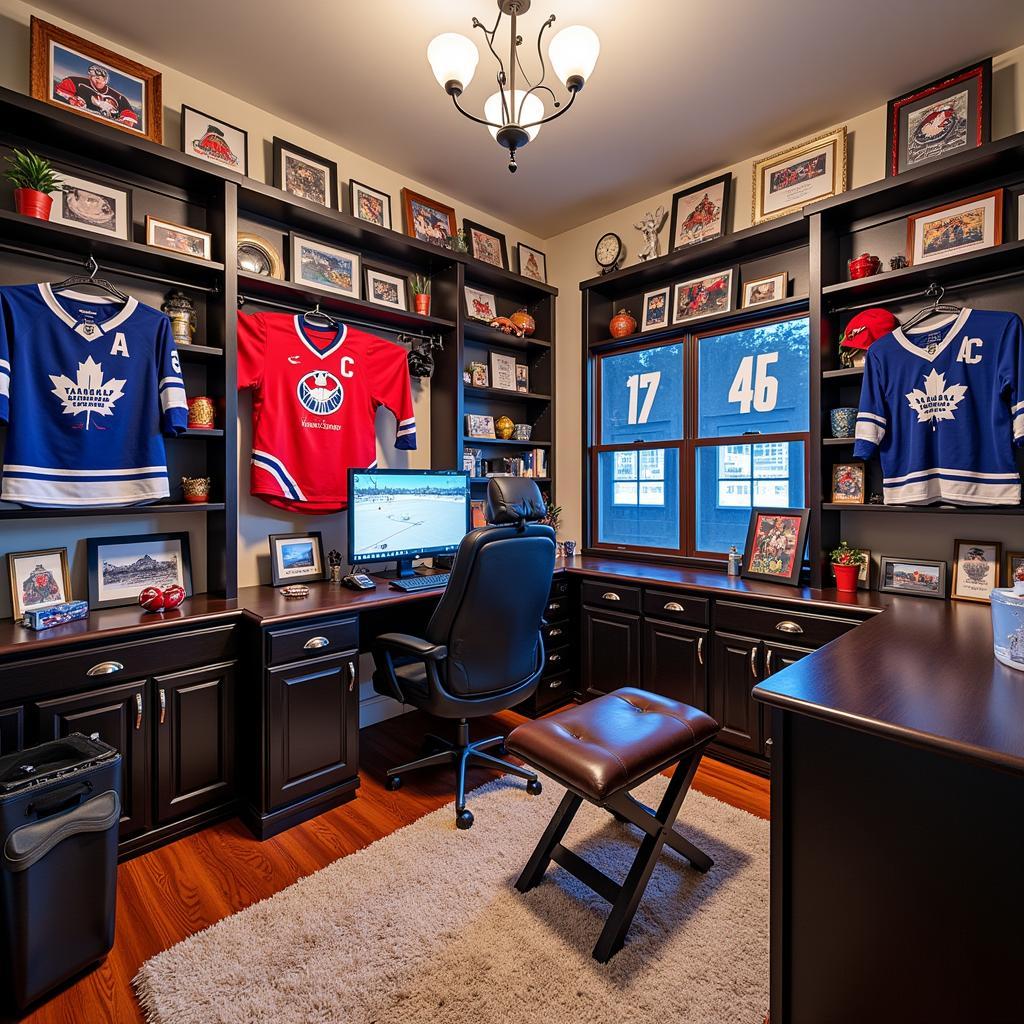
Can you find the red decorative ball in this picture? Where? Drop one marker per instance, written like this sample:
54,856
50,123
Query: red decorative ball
173,595
152,599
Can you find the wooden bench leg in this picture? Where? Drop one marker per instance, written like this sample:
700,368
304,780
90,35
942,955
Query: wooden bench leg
553,834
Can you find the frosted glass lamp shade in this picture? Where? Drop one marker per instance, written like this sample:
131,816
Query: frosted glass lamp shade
573,53
533,110
453,58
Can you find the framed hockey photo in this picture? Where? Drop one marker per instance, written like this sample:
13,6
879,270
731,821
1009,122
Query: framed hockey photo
322,266
918,577
304,174
165,234
94,82
296,558
480,305
702,296
38,579
486,244
92,206
976,565
786,181
385,289
955,228
655,312
848,483
1014,564
209,138
369,204
427,219
121,567
532,263
699,212
774,550
950,115
766,289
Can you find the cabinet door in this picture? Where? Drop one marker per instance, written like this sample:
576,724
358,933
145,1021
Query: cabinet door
312,727
195,759
675,662
611,650
12,729
118,715
776,658
736,671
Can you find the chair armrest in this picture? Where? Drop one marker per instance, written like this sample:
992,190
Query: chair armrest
413,646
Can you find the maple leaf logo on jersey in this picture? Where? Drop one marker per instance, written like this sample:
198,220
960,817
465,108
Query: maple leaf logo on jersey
88,392
936,402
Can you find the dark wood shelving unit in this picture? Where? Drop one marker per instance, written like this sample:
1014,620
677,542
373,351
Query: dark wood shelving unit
954,510
508,396
202,434
200,351
157,508
839,442
509,442
487,335
845,374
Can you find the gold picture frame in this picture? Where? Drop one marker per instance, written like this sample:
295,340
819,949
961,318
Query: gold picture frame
792,172
255,254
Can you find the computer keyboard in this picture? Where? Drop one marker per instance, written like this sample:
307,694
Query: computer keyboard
430,582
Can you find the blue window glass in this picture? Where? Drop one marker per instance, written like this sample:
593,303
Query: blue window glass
755,380
642,395
638,498
734,478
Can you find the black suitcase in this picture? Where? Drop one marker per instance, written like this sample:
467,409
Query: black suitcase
59,813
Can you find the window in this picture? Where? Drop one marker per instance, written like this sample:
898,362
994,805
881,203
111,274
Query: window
683,480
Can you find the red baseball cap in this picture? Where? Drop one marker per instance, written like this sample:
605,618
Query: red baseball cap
867,327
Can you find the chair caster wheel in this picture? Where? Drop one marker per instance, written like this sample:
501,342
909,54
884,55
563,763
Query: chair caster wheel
395,782
464,819
533,787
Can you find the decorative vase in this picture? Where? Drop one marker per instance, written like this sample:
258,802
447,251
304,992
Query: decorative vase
421,302
504,427
31,203
621,324
522,432
200,413
846,577
844,421
864,265
196,489
522,319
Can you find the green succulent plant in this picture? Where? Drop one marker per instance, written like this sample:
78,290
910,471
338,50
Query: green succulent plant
26,170
420,284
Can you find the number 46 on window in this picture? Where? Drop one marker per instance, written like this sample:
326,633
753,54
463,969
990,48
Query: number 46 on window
755,386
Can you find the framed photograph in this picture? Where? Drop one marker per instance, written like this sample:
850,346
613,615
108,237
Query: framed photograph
213,140
486,244
916,576
38,579
322,266
369,204
258,255
90,80
766,289
976,565
655,312
427,219
164,234
788,180
386,289
947,116
699,212
848,483
1014,561
955,228
304,174
864,576
120,567
479,426
92,206
774,550
702,296
480,305
296,558
532,263
479,375
522,377
503,371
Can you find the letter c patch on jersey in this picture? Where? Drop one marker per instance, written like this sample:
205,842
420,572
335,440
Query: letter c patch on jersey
320,393
345,366
967,353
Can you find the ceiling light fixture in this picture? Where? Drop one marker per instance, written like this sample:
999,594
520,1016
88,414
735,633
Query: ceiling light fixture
514,115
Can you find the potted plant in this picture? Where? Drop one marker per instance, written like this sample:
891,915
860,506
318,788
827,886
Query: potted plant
420,284
846,564
33,178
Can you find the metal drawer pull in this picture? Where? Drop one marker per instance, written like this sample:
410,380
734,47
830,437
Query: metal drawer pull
105,668
554,657
789,627
315,642
610,595
700,649
163,705
351,675
674,606
138,711
555,684
554,606
555,631
768,661
753,662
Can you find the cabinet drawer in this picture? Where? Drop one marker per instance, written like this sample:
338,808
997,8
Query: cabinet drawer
611,595
295,643
558,659
559,588
557,633
557,608
794,627
676,607
553,691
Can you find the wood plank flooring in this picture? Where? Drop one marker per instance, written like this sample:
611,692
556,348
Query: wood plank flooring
173,892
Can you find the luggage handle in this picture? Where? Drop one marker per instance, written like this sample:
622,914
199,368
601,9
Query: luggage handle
60,800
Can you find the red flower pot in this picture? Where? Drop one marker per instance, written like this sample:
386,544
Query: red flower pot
30,203
422,304
846,577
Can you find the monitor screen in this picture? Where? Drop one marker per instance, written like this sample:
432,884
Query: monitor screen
401,513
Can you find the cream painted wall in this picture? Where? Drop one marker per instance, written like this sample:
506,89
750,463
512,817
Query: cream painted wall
571,258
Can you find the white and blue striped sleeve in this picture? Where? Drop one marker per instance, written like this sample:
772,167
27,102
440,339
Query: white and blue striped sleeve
872,416
5,366
171,385
1011,375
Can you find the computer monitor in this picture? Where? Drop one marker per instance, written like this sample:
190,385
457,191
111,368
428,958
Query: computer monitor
402,514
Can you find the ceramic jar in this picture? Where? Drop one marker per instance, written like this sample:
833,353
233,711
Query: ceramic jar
864,265
843,421
621,324
522,319
200,413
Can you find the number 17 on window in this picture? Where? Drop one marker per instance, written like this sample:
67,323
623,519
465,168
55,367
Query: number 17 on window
753,386
648,383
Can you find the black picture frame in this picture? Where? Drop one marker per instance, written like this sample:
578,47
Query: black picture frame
244,168
72,179
469,226
979,120
281,148
886,567
520,246
725,180
792,578
94,545
276,576
353,209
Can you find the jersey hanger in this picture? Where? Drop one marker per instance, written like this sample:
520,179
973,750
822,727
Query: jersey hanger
324,317
90,280
935,292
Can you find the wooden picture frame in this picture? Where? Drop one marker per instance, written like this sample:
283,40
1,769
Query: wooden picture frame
657,309
1013,560
969,582
307,270
787,180
921,249
362,199
214,144
696,220
193,242
486,244
765,289
427,219
721,281
531,263
301,561
132,98
50,586
775,559
849,483
910,577
308,176
118,585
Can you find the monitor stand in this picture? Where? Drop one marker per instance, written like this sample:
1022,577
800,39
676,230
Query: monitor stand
403,571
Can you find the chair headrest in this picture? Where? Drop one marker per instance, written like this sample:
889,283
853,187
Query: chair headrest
513,500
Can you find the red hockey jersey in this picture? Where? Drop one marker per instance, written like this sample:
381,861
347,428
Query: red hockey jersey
316,395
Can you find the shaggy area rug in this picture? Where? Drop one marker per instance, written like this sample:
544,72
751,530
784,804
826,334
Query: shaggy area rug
425,927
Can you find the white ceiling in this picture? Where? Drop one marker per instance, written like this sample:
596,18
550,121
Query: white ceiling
682,86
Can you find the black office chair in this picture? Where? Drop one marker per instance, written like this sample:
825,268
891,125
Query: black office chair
483,651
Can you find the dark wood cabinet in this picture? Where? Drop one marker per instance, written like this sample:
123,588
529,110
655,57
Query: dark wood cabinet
738,668
675,662
776,658
195,733
611,650
12,729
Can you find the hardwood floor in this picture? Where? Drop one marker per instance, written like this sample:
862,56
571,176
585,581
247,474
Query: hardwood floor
173,892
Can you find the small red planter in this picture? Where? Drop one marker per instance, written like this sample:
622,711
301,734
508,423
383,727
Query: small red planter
846,577
30,203
421,302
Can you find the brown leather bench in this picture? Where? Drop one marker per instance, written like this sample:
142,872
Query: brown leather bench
599,751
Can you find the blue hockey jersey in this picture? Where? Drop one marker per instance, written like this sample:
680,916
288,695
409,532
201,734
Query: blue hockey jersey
87,385
943,405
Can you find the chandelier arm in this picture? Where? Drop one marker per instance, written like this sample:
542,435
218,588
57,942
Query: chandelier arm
489,37
551,117
479,120
540,53
544,88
